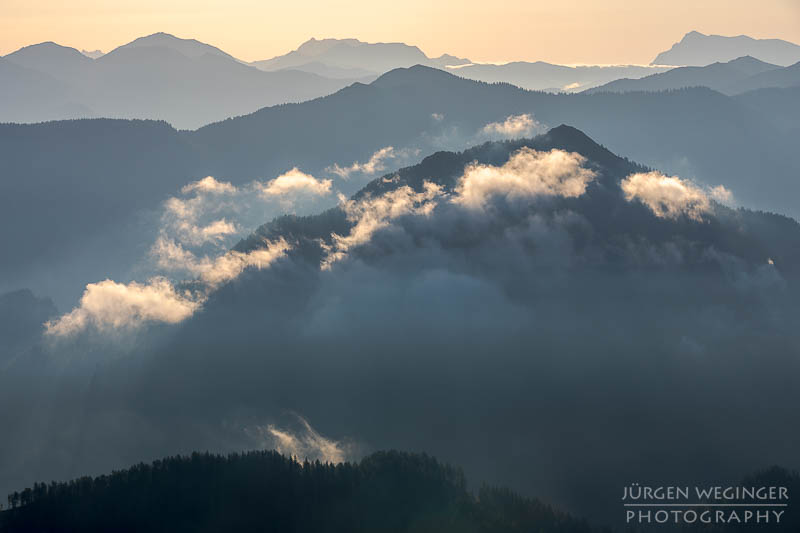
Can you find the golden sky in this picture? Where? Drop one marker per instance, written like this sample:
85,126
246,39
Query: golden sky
560,31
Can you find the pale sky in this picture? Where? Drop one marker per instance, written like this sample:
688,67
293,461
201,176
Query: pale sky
559,31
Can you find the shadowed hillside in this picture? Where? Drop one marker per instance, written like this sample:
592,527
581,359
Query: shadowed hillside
258,491
539,311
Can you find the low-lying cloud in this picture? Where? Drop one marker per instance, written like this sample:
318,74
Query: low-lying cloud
194,240
295,181
376,163
302,443
513,127
111,305
671,196
214,271
374,213
527,174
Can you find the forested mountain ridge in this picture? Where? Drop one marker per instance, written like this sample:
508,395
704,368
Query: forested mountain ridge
387,491
694,133
603,204
257,491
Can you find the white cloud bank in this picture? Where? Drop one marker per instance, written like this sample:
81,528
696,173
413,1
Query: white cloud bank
111,305
671,196
214,271
373,213
296,181
527,174
513,127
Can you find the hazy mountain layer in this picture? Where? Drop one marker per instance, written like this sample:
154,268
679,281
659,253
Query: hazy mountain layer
733,77
182,81
779,78
697,49
540,76
90,176
340,56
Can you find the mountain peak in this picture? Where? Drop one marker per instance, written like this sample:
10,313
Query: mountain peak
750,61
314,46
697,49
692,35
48,48
191,48
414,75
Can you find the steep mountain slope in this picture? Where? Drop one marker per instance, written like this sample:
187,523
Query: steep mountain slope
697,49
182,81
538,311
723,77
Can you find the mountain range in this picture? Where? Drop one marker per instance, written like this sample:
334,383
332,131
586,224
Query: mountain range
697,49
190,84
344,57
182,81
734,77
742,143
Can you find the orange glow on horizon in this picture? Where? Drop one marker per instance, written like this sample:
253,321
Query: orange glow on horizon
574,31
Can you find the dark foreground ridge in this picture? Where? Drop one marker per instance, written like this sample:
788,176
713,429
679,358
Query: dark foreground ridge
265,491
387,491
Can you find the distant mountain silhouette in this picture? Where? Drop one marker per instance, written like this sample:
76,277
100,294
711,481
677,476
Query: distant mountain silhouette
182,81
61,62
354,55
555,78
726,78
190,48
697,49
